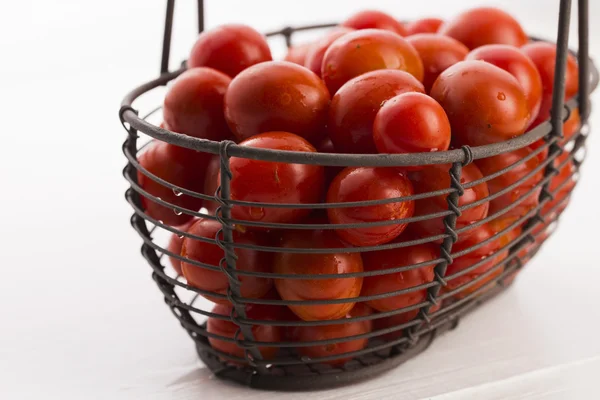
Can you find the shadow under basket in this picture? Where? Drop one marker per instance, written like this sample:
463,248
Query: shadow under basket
440,309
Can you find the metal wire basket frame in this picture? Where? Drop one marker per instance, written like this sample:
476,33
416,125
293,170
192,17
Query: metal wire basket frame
293,372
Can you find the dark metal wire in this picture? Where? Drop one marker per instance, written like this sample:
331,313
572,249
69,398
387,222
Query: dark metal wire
290,371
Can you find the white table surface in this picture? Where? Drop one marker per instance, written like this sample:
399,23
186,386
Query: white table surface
81,317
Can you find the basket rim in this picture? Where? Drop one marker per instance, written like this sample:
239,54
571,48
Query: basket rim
129,115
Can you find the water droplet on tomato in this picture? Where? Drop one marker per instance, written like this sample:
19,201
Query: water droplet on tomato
177,192
177,212
257,213
501,96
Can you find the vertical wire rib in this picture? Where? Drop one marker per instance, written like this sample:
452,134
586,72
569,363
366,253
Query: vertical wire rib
200,16
223,213
584,60
166,49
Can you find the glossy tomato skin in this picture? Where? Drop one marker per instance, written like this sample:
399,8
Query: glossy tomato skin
570,128
362,184
543,56
485,25
424,25
437,53
355,105
338,331
490,252
194,104
491,165
411,123
484,103
230,49
437,177
179,166
317,289
260,333
519,65
277,96
368,50
211,254
274,182
314,56
395,258
297,54
175,244
371,19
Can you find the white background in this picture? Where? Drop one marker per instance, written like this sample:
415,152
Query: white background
80,317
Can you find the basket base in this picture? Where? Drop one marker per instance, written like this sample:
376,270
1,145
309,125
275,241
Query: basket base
303,378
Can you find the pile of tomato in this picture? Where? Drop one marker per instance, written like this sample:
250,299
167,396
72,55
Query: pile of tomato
371,85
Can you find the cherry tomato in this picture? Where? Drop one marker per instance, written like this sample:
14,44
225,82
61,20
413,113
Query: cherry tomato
362,184
484,103
260,333
275,182
330,172
394,258
485,25
174,247
315,264
371,19
229,49
356,53
437,53
355,105
424,25
489,252
338,331
543,56
519,65
437,177
411,123
396,320
211,254
297,54
178,166
194,104
277,96
315,55
491,165
570,128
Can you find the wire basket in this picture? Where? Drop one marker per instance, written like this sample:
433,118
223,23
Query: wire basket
440,308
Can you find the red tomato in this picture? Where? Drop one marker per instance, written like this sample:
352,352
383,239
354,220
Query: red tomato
485,25
277,96
211,254
484,103
437,53
491,165
437,177
424,25
519,65
543,56
330,172
297,54
394,258
355,105
179,166
274,182
227,329
356,53
411,123
396,320
370,19
211,183
175,244
325,332
229,49
362,184
194,104
570,128
315,264
487,252
561,186
315,55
